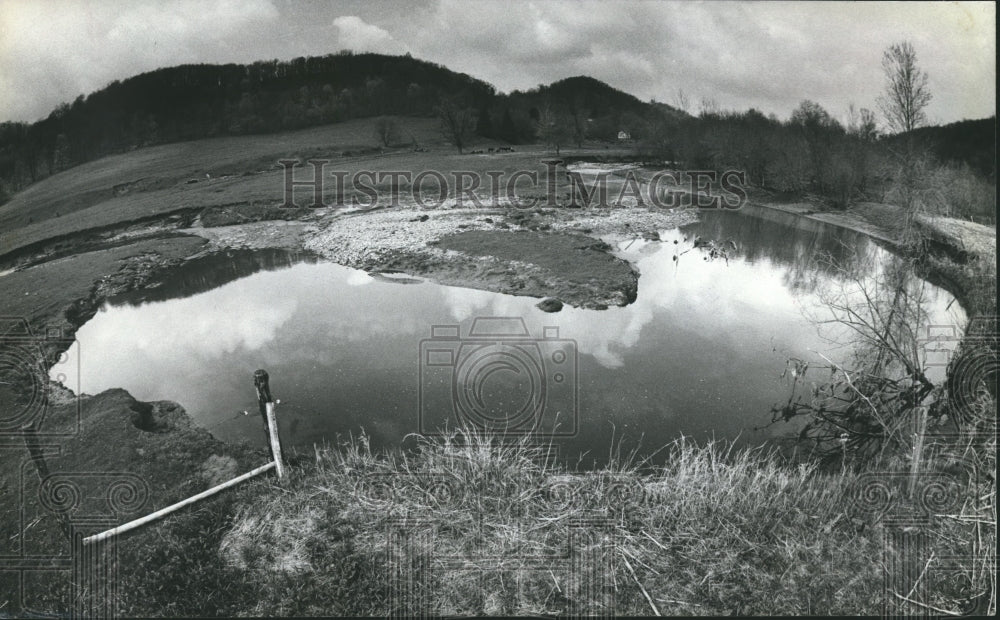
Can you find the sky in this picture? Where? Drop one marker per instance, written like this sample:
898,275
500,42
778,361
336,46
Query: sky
764,55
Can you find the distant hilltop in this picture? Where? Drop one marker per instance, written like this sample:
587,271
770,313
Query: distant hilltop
190,102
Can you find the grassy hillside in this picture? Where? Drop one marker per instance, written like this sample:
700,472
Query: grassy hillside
190,102
238,174
187,175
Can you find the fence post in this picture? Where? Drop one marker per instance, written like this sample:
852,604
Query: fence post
266,404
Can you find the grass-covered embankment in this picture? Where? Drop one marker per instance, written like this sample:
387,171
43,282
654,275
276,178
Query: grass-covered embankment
465,525
955,254
965,262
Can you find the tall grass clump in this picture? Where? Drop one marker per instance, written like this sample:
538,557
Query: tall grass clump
472,524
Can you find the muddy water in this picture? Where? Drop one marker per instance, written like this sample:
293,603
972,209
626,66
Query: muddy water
700,352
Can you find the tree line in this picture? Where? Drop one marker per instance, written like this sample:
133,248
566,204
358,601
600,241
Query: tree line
948,170
190,102
199,101
811,151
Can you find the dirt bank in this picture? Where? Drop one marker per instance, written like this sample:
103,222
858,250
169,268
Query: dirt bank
958,256
116,459
154,447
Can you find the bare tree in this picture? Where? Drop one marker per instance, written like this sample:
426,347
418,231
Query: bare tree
903,103
863,128
906,93
863,404
820,132
861,123
553,126
708,107
682,101
458,122
386,130
578,120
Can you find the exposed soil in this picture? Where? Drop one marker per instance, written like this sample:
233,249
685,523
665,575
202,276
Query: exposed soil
572,267
65,292
147,456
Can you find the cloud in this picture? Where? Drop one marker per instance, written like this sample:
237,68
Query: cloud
356,34
767,55
52,52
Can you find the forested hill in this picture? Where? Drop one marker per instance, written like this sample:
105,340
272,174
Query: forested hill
585,101
595,97
190,102
198,101
971,142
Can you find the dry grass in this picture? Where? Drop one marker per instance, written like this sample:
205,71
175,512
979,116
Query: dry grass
971,270
173,177
468,525
976,239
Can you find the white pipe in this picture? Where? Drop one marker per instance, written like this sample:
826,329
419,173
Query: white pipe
131,525
272,434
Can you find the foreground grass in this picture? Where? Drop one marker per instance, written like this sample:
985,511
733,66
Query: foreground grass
464,525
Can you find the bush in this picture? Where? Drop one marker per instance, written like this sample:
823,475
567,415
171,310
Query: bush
966,195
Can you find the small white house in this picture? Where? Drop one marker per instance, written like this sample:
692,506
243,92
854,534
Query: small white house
624,136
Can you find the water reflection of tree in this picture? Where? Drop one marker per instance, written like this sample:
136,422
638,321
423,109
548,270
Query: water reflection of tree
209,272
867,404
791,242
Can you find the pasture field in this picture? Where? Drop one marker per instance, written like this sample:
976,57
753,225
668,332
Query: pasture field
188,177
166,179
